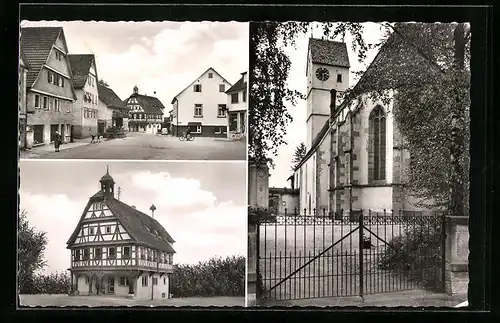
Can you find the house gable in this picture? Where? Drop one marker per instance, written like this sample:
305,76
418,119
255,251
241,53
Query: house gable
199,79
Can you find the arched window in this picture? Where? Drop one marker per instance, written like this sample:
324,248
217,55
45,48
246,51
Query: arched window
377,153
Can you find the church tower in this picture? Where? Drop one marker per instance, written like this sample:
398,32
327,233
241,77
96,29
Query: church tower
107,185
327,69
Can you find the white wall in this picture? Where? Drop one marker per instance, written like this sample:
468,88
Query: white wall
144,292
210,97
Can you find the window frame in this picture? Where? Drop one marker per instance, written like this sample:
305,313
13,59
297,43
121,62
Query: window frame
97,253
197,87
223,108
111,255
339,78
210,75
126,255
235,98
222,88
377,158
196,107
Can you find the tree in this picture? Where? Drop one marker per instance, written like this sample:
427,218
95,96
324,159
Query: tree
103,83
298,155
422,68
31,248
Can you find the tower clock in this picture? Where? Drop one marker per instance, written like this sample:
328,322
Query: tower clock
322,74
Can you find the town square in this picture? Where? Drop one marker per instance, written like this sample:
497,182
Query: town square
78,88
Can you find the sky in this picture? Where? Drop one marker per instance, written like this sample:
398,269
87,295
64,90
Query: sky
161,57
205,216
297,80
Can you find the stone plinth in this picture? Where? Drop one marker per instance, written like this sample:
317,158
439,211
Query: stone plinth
457,254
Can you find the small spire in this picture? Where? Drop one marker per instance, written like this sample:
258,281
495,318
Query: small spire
107,169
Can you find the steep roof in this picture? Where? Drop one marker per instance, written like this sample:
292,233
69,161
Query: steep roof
149,104
140,226
80,68
238,86
36,44
110,98
329,52
210,68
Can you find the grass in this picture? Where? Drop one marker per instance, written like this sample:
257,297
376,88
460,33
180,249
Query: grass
336,272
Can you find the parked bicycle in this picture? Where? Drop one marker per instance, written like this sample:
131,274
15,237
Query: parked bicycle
186,137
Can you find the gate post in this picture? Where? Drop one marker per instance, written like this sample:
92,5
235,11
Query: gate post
456,273
258,197
361,269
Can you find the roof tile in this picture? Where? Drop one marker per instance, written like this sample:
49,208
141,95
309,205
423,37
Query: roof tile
80,67
329,52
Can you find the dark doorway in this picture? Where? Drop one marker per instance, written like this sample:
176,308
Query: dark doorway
38,134
111,285
101,126
53,129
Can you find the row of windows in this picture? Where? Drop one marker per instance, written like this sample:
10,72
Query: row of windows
153,255
54,78
221,110
59,55
107,229
91,81
145,116
90,97
155,281
90,113
84,254
197,87
48,103
235,97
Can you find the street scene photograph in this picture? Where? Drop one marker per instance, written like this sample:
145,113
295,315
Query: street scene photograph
359,164
95,233
133,90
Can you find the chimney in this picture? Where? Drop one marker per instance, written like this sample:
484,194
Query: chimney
133,206
152,209
333,102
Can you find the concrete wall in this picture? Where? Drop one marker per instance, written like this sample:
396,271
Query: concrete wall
209,97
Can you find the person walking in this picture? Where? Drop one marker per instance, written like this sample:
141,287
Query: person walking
93,136
57,141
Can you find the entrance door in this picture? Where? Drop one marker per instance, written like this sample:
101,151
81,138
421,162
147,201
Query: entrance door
111,285
100,126
53,129
38,134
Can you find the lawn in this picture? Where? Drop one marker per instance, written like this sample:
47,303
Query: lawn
337,271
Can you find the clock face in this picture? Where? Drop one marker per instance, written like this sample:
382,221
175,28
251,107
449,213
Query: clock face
322,74
260,174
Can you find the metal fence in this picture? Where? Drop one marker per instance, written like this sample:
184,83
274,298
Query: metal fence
347,253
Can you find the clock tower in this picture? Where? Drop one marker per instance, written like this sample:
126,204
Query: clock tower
327,69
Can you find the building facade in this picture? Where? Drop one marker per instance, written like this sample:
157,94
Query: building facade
237,108
118,250
49,88
85,108
145,112
356,158
202,106
23,69
113,112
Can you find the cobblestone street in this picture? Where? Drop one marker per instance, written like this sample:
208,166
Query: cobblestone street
142,146
106,300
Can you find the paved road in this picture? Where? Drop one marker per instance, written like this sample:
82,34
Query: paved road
93,301
146,147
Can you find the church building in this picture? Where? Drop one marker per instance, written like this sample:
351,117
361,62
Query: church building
355,156
119,250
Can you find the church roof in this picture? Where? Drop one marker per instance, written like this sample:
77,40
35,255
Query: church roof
329,52
149,104
36,44
80,68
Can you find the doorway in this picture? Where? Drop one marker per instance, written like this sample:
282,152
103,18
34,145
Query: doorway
53,129
100,126
38,134
111,285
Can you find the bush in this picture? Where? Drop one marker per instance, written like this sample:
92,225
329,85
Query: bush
215,277
55,283
417,254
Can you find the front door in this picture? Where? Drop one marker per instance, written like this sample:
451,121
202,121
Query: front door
111,285
100,127
53,129
38,133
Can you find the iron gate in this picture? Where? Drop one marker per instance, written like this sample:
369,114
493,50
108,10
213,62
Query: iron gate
349,253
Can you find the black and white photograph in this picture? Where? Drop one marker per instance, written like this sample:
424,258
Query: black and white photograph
358,164
133,90
132,233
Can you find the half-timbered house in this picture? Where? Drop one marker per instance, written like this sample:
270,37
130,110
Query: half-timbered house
49,87
145,112
118,250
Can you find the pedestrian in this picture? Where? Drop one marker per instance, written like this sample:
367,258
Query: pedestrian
57,141
93,136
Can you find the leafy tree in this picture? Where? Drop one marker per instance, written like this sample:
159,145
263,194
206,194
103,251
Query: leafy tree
31,247
425,67
103,83
298,155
